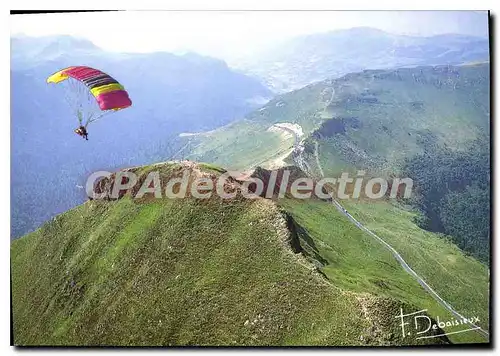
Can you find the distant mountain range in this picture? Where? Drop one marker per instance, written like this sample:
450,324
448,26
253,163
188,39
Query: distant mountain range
30,51
303,60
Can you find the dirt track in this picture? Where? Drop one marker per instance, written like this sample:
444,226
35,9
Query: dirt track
300,163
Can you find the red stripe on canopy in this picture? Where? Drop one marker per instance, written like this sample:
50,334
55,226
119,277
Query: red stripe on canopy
81,73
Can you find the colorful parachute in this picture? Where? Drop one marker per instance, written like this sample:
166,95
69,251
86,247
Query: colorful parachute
90,92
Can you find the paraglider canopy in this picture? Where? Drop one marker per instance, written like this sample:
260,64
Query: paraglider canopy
90,92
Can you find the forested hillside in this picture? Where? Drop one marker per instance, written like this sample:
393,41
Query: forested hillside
453,193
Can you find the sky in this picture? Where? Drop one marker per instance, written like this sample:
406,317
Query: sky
232,34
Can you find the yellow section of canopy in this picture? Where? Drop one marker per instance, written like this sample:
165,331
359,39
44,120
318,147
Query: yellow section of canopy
58,76
106,89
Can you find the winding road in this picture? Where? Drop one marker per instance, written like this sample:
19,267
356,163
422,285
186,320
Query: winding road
301,163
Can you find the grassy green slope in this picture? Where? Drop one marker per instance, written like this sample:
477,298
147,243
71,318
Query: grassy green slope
459,279
359,263
170,273
247,143
183,272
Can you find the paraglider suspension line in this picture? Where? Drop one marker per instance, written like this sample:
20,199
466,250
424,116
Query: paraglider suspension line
84,104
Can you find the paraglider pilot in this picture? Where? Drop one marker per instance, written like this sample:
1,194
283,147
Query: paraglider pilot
82,131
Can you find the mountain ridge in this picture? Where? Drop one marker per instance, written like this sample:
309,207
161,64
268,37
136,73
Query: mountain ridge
87,278
430,124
